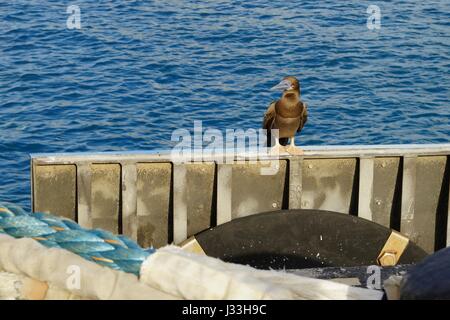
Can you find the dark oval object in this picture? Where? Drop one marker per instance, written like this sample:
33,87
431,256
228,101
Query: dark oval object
297,239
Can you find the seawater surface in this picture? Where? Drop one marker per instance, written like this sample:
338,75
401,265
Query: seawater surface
137,70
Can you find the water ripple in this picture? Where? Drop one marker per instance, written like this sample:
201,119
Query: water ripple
137,71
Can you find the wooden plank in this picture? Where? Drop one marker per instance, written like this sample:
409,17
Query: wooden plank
154,227
365,194
179,203
55,190
295,183
129,214
224,181
84,175
408,196
105,196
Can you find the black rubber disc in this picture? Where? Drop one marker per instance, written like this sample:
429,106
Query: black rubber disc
297,239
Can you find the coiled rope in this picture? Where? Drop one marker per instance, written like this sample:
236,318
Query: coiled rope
100,246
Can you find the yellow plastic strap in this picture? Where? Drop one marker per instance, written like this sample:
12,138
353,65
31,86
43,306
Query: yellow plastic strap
393,249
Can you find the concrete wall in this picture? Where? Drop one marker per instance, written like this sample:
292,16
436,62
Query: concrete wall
156,202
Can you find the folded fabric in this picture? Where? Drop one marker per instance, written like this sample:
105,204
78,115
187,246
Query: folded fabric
192,276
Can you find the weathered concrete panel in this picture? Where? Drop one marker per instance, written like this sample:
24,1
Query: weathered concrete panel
105,193
386,190
329,184
55,189
199,196
430,174
153,204
254,193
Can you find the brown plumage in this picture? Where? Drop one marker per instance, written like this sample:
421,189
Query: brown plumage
288,114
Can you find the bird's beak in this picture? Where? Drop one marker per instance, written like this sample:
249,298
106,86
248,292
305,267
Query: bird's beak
283,85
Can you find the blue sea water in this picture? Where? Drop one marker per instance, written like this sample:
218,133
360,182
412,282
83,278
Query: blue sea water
137,70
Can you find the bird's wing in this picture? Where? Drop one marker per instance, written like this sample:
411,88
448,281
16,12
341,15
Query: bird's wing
269,116
303,116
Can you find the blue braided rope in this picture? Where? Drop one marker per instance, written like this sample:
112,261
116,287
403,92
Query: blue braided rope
114,251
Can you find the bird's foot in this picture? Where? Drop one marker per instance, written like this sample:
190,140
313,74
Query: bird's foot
278,149
296,151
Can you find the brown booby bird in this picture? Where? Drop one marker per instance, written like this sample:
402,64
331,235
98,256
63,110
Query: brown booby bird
288,115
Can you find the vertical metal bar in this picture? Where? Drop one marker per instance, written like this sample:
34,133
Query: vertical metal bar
129,202
295,183
179,203
224,179
84,201
366,166
408,195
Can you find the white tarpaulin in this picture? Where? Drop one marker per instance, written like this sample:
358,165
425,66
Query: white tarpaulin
193,276
170,273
